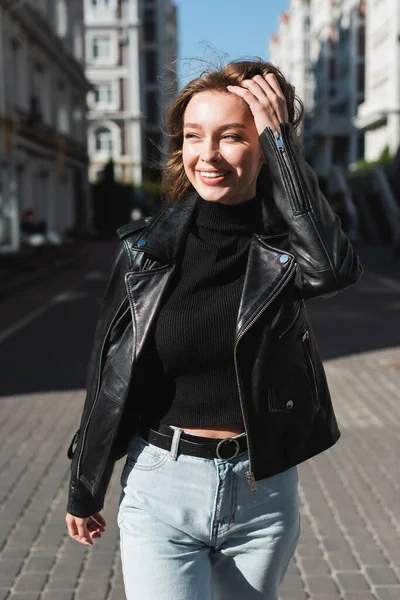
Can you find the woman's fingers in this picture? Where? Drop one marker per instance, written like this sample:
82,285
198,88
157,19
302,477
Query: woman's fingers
265,99
246,94
269,93
84,530
99,518
272,81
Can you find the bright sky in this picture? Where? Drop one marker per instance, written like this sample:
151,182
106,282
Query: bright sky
210,29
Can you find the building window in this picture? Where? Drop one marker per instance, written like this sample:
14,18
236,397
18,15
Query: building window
149,25
104,140
151,107
151,66
360,79
103,93
101,47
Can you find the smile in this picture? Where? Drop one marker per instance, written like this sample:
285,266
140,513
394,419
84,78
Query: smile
212,174
212,177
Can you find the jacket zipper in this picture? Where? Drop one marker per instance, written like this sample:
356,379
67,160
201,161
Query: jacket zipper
296,174
111,325
250,475
306,345
295,196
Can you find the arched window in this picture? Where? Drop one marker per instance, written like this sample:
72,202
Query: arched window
104,140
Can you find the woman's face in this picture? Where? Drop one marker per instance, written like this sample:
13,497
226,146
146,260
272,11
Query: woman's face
222,156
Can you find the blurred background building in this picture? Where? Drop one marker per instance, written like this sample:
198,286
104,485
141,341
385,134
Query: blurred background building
378,117
43,89
130,48
343,57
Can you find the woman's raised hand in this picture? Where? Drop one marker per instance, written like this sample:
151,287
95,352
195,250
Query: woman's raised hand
85,530
265,99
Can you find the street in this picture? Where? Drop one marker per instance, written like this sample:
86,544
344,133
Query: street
350,495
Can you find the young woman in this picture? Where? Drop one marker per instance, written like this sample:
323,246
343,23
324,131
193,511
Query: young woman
205,370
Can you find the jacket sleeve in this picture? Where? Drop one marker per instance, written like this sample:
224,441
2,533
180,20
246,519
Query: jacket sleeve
80,501
326,261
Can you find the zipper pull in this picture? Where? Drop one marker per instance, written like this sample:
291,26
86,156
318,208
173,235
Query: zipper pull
278,141
305,335
251,480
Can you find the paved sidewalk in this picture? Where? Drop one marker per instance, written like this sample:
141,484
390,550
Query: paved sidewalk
350,496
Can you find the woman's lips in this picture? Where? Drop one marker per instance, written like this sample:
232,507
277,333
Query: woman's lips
213,179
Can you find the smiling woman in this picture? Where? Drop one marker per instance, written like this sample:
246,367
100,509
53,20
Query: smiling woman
205,371
221,155
211,101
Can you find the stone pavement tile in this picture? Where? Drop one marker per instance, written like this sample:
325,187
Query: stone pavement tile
321,585
343,561
6,580
388,593
14,553
60,584
66,570
370,554
314,566
309,550
353,582
382,576
118,593
92,590
10,567
31,582
39,563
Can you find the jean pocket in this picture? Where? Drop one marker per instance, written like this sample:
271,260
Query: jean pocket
145,456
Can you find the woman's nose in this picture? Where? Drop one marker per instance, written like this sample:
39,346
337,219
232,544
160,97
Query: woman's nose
209,151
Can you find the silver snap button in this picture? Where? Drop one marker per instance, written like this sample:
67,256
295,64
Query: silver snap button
283,258
289,404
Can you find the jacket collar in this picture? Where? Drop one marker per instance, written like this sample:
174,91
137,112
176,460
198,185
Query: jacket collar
165,236
166,233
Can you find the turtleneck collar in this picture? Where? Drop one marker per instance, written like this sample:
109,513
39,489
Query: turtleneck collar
230,218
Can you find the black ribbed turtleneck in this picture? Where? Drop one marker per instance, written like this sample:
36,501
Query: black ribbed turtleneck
195,331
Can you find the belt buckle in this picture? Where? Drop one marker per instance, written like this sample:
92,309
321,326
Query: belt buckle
229,440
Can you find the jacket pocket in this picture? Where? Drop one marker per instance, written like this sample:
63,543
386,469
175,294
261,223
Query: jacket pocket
308,356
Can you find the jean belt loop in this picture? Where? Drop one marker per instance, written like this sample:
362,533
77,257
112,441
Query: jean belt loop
175,443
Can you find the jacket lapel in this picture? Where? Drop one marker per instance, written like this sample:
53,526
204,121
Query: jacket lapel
268,268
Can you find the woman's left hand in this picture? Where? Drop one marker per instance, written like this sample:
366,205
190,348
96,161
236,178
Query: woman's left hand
265,99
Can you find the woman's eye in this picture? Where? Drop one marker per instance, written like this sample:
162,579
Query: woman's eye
188,136
231,136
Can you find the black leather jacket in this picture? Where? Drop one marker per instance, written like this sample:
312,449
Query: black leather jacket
283,392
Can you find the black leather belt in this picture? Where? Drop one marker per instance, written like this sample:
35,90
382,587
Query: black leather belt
194,445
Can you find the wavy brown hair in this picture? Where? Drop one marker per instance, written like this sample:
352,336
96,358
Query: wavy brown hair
174,182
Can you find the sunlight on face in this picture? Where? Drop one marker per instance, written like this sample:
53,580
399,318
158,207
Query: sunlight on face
221,151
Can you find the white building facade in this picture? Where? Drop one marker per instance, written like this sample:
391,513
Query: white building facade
338,56
43,89
290,50
379,115
130,49
320,45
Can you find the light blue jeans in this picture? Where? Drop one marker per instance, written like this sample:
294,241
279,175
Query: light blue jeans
191,529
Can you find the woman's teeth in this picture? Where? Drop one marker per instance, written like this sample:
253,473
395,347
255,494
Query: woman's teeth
211,175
